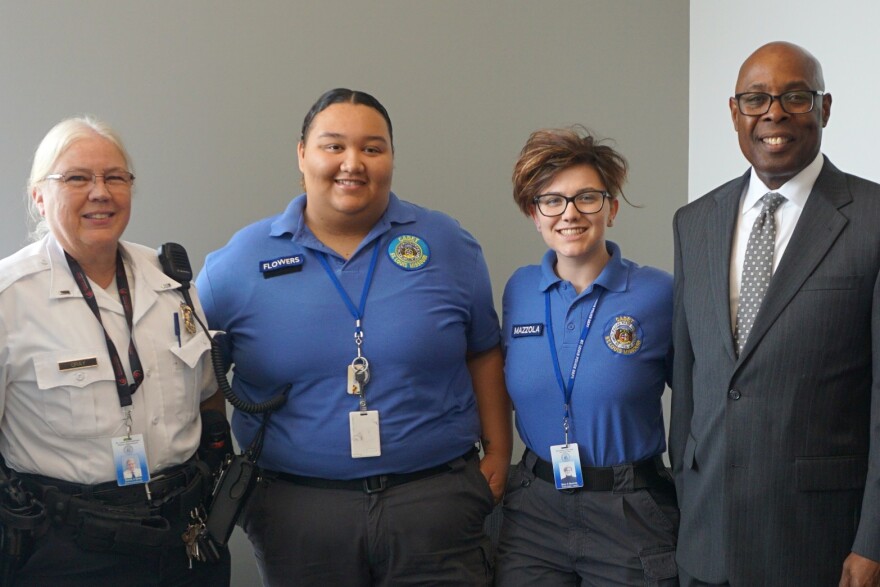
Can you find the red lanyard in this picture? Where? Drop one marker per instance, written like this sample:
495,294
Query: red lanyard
122,388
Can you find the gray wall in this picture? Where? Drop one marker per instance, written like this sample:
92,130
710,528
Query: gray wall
209,97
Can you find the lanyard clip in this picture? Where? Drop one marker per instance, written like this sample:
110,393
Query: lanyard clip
565,426
127,421
358,335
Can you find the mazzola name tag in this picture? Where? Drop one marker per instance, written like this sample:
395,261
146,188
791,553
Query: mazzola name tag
527,330
78,364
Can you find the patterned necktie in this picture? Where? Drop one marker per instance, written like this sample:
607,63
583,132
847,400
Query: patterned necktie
757,268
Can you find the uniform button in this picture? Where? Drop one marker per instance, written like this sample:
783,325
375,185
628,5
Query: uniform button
80,376
564,286
525,483
147,373
734,394
155,421
44,262
570,326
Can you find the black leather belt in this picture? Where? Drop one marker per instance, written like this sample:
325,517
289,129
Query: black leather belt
161,485
645,475
373,484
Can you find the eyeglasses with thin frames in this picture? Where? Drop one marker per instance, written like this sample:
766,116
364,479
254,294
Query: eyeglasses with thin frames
585,202
794,102
78,179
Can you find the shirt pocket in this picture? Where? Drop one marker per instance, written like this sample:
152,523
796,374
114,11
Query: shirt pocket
80,402
189,375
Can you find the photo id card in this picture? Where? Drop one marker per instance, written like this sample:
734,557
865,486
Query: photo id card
364,434
130,459
567,466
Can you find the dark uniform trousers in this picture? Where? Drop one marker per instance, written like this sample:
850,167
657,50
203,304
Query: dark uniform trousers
619,537
420,533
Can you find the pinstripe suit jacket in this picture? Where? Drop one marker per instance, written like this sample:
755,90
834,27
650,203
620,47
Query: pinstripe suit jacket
776,454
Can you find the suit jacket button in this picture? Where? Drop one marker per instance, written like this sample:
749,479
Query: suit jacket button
734,394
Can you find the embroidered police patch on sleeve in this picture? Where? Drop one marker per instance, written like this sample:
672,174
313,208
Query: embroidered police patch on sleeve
527,330
624,335
409,252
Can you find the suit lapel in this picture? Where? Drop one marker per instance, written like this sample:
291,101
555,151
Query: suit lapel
722,223
818,227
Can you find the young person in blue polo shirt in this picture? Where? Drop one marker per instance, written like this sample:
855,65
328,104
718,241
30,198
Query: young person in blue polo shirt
379,314
587,337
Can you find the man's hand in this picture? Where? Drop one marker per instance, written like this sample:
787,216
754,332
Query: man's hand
859,571
494,468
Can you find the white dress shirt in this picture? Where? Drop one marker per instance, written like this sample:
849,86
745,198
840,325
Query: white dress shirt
57,421
796,191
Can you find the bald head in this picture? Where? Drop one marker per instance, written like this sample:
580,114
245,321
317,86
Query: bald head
778,52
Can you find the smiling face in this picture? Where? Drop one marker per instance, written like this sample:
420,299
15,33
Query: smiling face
346,161
777,144
577,238
87,222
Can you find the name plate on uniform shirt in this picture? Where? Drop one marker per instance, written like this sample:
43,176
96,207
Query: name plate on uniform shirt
527,330
281,266
78,364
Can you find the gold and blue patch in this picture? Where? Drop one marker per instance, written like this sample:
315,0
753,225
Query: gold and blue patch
624,335
409,252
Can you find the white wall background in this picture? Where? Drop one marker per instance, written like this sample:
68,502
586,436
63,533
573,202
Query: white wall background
842,35
209,97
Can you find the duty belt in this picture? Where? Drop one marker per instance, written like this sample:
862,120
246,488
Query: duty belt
123,519
646,474
368,485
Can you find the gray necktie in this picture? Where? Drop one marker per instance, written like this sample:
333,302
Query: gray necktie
757,268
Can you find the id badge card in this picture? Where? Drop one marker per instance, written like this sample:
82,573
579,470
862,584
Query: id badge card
567,466
130,459
364,428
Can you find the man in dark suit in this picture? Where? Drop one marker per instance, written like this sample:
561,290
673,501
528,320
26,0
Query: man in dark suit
775,432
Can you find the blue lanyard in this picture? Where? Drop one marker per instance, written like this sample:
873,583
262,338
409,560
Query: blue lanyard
357,312
567,389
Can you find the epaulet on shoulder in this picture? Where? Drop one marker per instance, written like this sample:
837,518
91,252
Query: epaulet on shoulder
27,261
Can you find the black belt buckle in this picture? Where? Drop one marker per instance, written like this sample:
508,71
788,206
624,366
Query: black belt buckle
375,484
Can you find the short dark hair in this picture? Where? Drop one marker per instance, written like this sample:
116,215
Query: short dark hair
344,96
549,151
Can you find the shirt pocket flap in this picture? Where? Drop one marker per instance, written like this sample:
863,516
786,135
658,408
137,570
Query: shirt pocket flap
72,368
192,351
830,473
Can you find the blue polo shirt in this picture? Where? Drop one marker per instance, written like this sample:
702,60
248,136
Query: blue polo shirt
626,361
429,305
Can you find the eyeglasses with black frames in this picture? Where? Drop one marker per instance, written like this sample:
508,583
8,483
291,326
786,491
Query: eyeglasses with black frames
79,179
585,202
795,102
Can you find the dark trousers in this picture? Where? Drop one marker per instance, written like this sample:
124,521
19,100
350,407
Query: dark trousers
425,532
59,562
685,580
599,538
